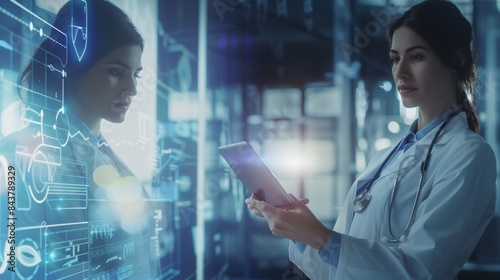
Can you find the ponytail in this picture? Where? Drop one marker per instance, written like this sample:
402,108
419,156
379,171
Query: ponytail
470,110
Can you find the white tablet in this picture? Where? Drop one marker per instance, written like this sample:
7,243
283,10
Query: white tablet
254,174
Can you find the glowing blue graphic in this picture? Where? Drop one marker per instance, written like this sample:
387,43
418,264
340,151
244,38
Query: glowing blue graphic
101,231
66,249
28,259
62,127
59,41
5,45
79,27
65,229
28,256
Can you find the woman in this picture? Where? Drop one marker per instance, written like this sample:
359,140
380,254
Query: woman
391,226
69,180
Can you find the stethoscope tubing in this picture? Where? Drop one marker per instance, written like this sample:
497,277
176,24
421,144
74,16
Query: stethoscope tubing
423,169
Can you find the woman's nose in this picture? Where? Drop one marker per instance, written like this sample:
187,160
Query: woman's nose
131,86
401,71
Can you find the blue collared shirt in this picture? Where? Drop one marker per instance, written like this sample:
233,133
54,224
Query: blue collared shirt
413,135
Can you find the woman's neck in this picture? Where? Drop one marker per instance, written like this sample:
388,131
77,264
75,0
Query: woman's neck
427,116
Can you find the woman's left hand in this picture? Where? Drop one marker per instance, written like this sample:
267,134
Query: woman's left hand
296,223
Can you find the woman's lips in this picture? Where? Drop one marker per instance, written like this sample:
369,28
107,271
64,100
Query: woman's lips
406,89
119,107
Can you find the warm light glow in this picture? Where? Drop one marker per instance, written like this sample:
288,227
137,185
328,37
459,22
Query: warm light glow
105,175
294,162
131,216
394,127
284,156
125,194
126,189
386,86
382,143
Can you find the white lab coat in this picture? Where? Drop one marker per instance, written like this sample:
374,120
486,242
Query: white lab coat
456,204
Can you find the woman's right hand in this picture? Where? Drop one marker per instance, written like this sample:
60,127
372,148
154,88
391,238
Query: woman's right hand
258,213
296,222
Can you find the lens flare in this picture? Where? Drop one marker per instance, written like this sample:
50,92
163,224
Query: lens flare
105,175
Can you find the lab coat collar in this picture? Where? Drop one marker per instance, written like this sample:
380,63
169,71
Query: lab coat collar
419,149
449,131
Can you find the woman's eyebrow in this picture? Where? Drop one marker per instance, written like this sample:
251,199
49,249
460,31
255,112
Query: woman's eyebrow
410,49
122,64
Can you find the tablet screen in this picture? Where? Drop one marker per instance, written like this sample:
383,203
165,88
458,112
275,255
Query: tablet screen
254,174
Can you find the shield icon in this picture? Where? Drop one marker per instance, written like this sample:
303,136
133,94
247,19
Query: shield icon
79,27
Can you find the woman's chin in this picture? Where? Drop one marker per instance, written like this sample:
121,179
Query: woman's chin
409,104
116,119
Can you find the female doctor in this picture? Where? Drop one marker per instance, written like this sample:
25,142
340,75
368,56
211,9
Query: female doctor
420,207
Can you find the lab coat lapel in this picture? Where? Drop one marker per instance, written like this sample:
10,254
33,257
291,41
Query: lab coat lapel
344,219
419,150
451,129
393,166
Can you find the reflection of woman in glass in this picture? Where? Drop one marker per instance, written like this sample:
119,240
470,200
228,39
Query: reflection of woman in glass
70,174
407,217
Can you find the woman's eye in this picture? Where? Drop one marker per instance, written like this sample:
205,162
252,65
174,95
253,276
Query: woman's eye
115,71
136,75
417,57
394,59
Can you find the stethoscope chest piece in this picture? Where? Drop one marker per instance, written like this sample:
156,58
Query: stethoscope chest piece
361,201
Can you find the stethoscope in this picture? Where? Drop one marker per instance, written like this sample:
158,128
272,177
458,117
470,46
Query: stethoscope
364,197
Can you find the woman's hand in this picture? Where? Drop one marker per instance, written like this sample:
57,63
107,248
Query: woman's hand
254,210
257,212
295,223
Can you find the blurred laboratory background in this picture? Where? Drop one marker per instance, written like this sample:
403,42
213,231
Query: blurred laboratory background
306,82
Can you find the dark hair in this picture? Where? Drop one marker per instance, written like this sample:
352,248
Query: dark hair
441,24
58,58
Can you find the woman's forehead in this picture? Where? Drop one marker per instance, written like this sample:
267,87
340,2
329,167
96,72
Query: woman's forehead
405,38
130,56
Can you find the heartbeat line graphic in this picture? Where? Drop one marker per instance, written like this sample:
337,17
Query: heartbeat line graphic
78,133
